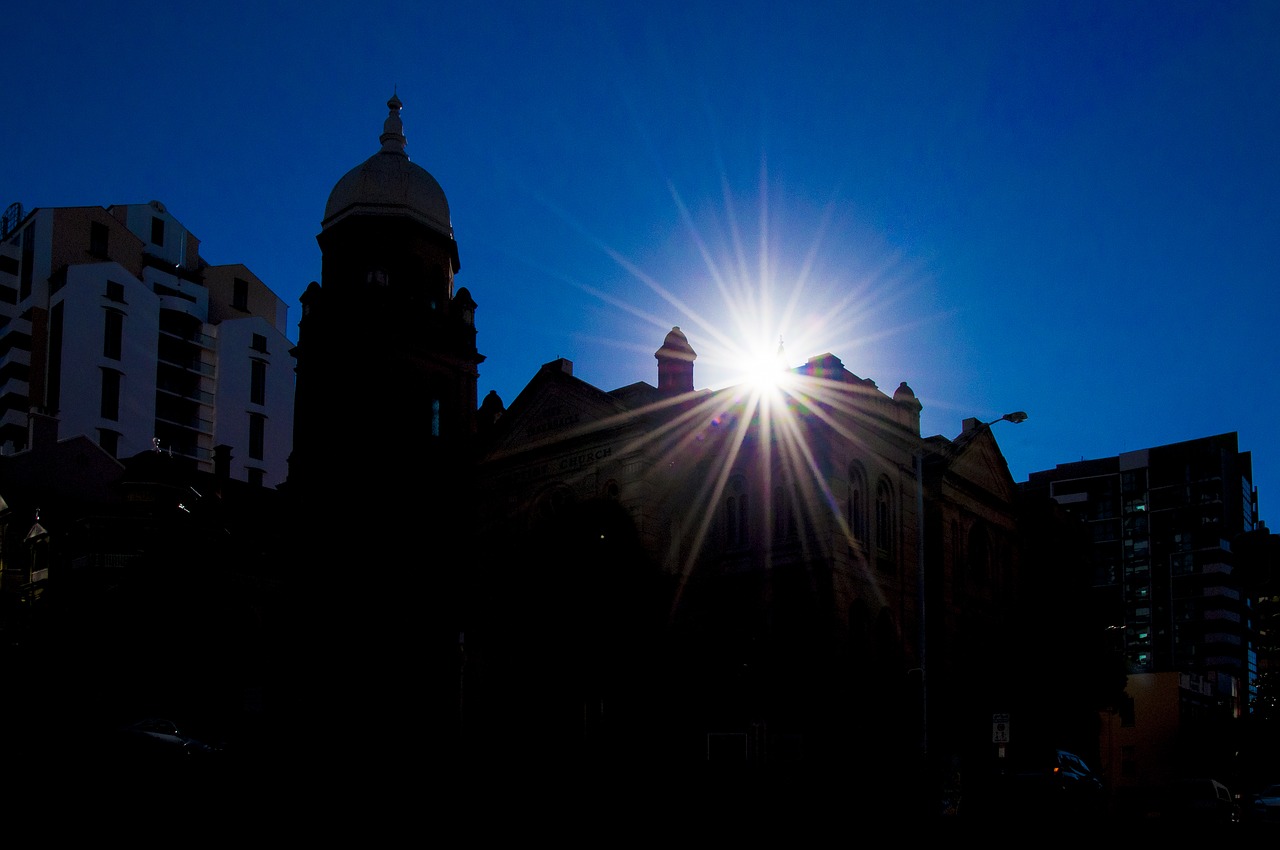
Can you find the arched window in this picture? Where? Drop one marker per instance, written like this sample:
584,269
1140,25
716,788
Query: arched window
552,506
979,552
884,520
735,512
783,518
856,505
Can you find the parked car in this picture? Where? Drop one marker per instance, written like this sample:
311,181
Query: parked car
160,738
1060,780
1198,801
1265,805
1036,782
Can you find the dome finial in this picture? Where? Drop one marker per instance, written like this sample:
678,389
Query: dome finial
392,138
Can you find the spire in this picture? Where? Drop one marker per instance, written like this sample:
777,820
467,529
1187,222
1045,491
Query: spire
392,138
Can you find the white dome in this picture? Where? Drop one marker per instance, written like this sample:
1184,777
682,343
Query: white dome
387,183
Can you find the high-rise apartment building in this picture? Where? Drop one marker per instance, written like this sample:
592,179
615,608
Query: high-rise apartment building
114,326
1166,585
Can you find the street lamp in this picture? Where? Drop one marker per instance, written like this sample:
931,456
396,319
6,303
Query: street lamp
1017,418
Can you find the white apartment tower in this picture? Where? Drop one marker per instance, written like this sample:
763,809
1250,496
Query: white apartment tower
114,327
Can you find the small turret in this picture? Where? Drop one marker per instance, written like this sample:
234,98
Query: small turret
675,364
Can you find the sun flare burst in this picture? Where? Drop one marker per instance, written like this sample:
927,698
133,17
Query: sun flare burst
757,415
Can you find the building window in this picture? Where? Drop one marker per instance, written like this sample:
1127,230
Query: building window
109,441
779,514
53,396
113,335
259,343
28,239
979,550
884,519
115,292
1127,711
736,513
98,239
959,569
856,505
110,407
435,417
258,381
240,294
257,432
784,525
157,231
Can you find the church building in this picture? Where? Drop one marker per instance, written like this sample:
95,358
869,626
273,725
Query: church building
654,574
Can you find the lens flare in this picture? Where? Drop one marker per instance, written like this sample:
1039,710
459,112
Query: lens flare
757,417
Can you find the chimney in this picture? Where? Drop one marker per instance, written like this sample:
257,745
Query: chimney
560,364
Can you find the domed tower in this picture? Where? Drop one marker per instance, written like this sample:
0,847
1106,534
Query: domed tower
386,358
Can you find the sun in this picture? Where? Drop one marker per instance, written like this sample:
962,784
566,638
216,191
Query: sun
764,368
757,408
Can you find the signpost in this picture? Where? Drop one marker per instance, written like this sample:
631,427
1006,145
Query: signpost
999,728
1000,732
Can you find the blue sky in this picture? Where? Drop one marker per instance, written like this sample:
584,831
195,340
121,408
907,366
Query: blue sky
1071,209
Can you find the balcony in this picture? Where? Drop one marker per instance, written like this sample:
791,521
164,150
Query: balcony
186,393
190,423
196,453
199,367
179,304
15,355
14,419
15,387
201,339
18,326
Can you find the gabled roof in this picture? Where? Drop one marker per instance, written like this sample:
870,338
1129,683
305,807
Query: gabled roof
553,406
974,456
